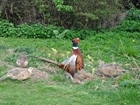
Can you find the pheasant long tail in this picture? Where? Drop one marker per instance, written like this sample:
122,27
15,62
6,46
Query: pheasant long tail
67,65
47,60
2,78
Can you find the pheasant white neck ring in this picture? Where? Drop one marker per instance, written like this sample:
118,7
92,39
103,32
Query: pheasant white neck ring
75,48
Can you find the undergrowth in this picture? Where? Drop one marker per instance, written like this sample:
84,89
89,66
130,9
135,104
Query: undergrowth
130,24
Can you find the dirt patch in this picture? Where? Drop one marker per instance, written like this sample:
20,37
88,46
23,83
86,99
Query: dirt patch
50,68
81,77
3,63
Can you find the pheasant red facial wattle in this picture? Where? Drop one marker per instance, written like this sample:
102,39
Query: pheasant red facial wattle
75,40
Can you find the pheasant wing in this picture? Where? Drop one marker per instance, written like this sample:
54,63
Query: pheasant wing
70,62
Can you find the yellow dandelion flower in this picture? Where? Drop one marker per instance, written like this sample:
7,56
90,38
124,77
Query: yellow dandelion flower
54,50
133,40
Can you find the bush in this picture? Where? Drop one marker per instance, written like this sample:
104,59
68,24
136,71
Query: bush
67,13
41,31
5,28
131,23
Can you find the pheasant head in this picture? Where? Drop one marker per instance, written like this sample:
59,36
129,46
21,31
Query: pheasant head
75,43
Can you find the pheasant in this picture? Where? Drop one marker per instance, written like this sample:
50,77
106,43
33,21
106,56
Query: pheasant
22,61
18,74
110,69
74,63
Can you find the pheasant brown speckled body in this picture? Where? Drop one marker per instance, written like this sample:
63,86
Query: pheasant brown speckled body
79,64
22,61
18,73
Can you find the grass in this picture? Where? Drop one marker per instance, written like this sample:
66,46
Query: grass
122,48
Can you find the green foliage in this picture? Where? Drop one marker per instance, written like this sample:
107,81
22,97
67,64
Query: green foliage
133,14
66,13
5,28
27,31
132,21
2,47
32,31
130,84
130,24
23,49
59,4
41,31
41,5
11,58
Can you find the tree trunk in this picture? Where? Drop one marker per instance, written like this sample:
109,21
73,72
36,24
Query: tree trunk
2,5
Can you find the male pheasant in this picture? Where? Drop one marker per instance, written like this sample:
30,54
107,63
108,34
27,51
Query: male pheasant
74,63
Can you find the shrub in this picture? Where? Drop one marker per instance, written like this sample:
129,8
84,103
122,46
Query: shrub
41,31
131,23
5,28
